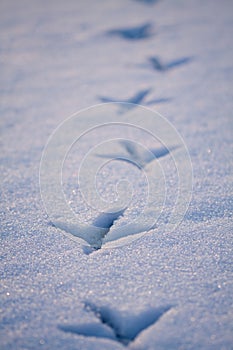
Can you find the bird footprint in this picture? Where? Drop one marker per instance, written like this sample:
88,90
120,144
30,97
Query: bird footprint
136,155
122,326
157,64
133,101
134,33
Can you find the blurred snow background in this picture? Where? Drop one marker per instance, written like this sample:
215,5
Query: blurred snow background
59,57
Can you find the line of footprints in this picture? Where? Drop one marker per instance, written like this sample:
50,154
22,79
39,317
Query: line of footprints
126,326
143,32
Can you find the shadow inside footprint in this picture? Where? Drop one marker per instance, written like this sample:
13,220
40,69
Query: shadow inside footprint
134,33
103,221
106,220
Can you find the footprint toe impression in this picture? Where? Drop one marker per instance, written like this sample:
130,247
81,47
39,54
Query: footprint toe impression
98,330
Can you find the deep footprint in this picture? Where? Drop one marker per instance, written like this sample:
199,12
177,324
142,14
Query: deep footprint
123,327
93,234
104,221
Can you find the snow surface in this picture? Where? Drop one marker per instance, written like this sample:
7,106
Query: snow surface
164,290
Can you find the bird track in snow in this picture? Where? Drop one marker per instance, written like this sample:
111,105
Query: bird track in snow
136,155
156,64
120,326
136,99
133,33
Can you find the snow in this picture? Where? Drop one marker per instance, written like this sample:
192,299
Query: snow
152,284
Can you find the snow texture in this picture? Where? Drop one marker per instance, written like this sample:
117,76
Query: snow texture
165,290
